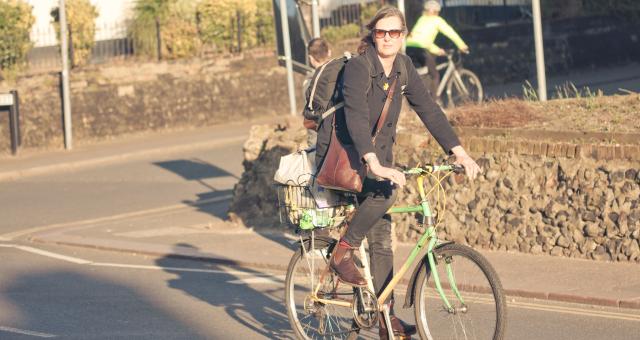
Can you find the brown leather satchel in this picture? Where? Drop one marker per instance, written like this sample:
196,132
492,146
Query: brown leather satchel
309,124
342,168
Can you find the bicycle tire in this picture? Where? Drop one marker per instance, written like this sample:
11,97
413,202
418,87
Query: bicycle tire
480,288
319,321
456,97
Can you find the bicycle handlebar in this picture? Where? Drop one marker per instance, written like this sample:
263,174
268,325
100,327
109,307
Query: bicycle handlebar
431,168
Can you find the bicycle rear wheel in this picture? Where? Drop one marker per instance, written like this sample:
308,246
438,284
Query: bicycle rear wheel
479,312
464,90
311,319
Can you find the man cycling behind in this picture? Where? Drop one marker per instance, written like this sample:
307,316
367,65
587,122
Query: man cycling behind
420,43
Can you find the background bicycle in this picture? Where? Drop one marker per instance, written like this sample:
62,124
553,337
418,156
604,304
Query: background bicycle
458,85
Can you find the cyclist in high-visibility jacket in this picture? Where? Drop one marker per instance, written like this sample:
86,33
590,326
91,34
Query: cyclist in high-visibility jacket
420,43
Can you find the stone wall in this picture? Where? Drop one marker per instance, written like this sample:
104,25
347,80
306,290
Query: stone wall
110,100
535,197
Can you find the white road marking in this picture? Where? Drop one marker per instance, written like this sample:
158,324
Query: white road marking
15,234
52,255
173,269
26,332
576,311
76,260
259,278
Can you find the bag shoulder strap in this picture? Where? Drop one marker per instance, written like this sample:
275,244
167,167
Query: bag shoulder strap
385,109
404,75
315,84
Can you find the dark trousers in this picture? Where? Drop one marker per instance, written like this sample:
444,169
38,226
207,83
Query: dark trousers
372,221
421,57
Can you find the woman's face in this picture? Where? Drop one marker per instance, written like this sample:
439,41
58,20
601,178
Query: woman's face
386,45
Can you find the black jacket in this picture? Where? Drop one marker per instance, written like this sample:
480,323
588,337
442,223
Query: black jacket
364,97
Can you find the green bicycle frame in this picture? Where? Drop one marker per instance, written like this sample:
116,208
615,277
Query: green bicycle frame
428,235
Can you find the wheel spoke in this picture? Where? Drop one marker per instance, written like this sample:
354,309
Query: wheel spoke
478,314
311,319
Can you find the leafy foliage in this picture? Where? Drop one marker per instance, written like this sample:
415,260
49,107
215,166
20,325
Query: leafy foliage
167,23
81,16
234,25
368,11
334,34
15,23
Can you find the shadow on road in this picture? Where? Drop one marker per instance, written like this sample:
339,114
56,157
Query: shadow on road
69,304
194,169
199,170
261,311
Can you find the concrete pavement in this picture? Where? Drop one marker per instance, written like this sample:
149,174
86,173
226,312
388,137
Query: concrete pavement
191,229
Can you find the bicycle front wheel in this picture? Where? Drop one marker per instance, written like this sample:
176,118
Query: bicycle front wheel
473,290
464,89
309,318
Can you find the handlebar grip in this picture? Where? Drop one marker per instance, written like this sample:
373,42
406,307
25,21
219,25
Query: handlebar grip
458,169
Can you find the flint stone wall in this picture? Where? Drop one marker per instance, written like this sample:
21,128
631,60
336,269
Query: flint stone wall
111,100
528,199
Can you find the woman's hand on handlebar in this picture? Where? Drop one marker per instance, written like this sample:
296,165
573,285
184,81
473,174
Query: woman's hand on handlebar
470,166
391,174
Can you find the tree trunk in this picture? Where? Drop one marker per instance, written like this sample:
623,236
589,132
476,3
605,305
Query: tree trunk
158,39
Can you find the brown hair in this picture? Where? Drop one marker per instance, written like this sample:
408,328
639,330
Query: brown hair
319,49
384,12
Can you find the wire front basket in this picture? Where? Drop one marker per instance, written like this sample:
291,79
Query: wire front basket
298,207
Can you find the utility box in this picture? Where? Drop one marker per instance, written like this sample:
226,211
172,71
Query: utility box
9,102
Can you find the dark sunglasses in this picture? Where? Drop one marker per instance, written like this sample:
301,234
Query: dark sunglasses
379,34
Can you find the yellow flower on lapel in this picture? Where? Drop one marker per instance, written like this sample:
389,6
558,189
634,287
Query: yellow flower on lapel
386,86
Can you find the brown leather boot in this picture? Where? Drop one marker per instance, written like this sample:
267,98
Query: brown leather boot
401,329
342,263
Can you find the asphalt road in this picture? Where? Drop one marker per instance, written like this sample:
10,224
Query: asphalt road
115,295
107,295
119,188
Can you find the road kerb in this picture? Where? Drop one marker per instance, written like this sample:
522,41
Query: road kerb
127,247
112,159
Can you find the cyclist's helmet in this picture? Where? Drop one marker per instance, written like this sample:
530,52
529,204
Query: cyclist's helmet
432,5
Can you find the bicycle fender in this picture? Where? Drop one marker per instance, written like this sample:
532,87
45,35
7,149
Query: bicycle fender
330,243
411,287
324,241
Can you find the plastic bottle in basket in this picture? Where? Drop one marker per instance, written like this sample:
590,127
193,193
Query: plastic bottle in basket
306,220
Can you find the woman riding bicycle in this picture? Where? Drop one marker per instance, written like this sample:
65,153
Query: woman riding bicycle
420,43
367,80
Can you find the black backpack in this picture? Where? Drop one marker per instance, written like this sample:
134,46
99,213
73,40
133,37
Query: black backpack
324,94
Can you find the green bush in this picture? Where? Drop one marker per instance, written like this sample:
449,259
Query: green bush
146,27
367,11
15,24
81,17
334,34
167,24
265,25
234,25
